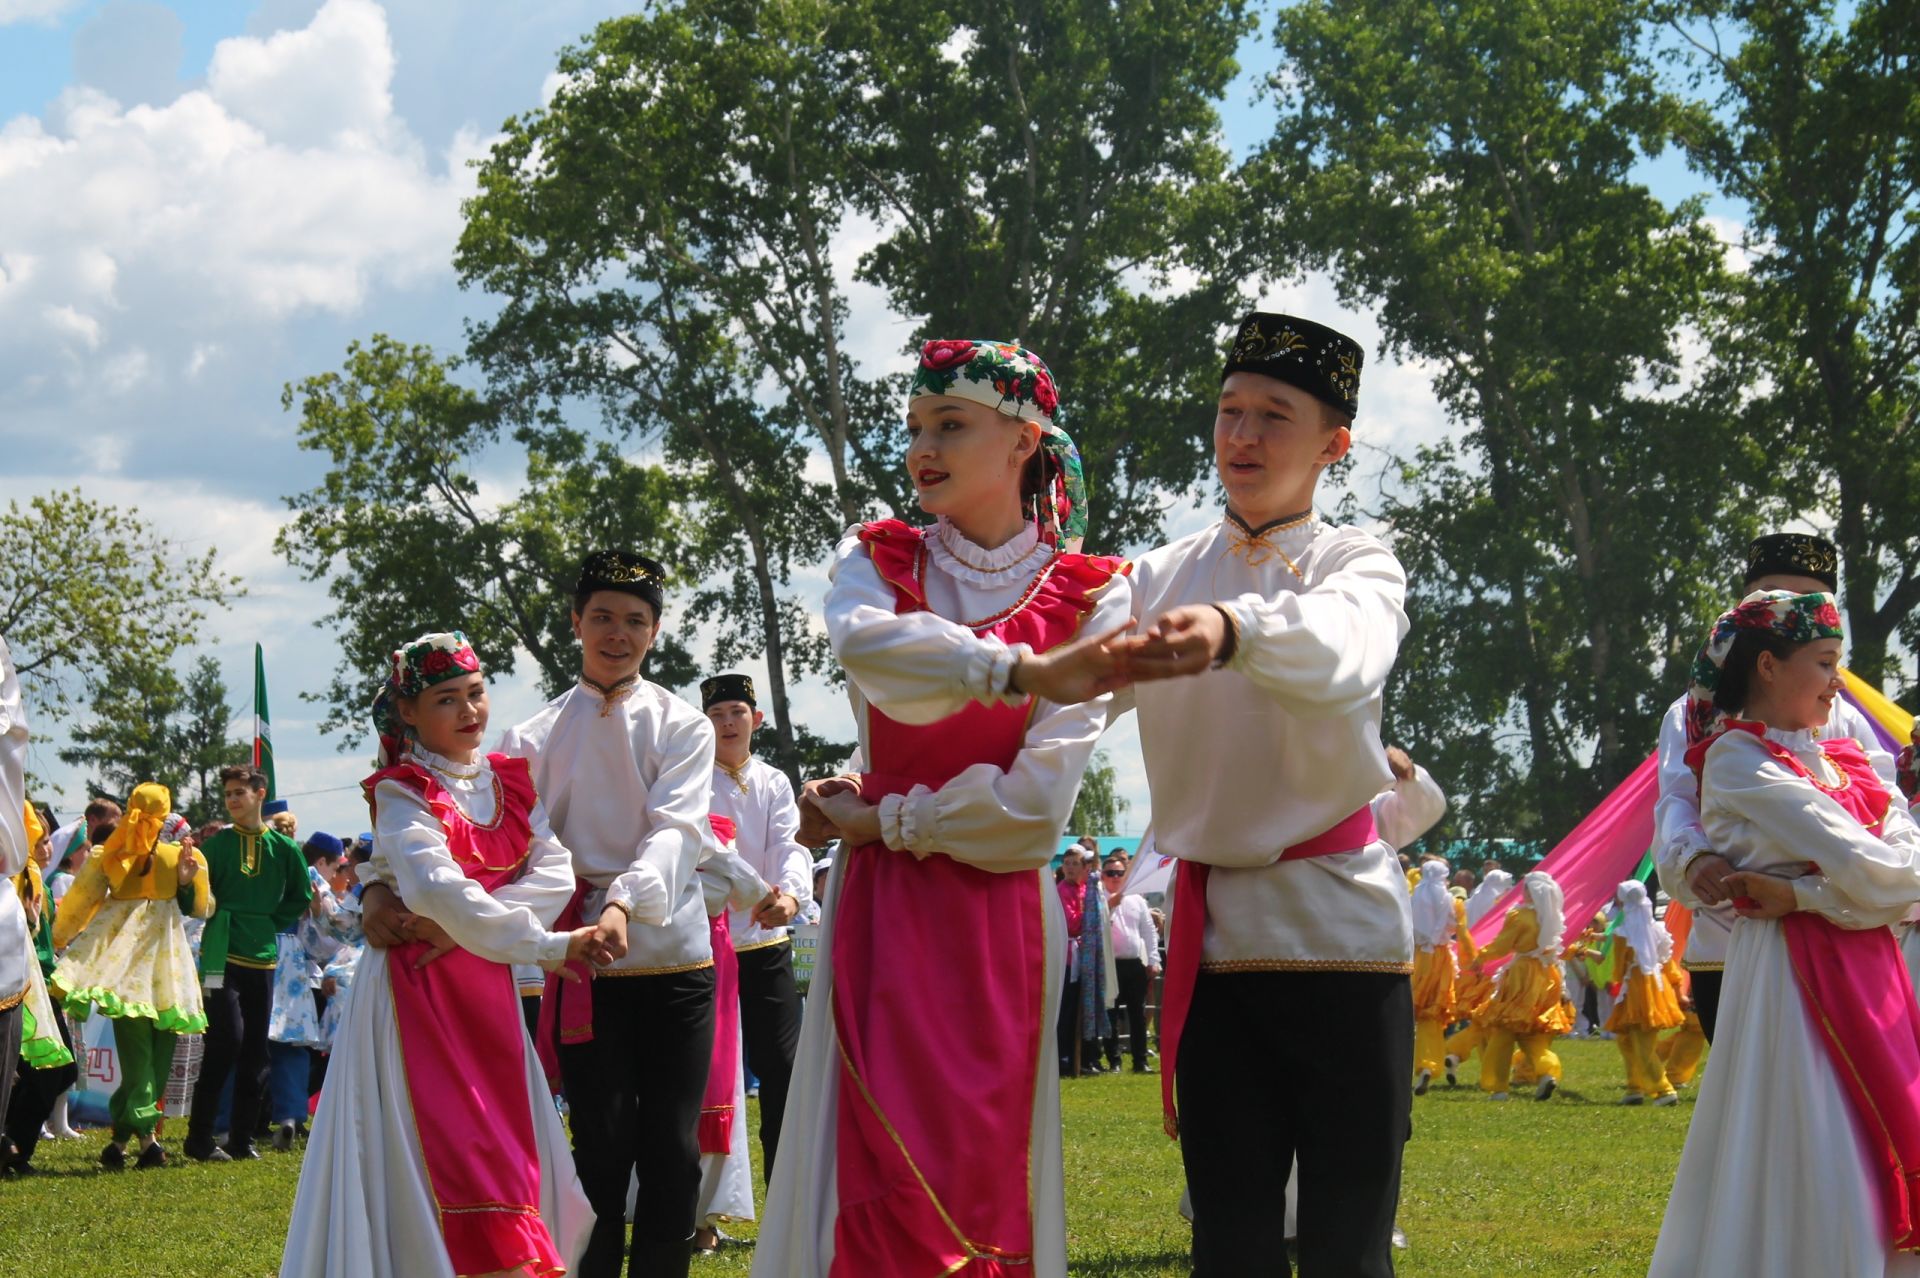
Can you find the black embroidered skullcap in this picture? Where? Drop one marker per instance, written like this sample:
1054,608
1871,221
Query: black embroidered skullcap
1320,361
625,571
727,687
1795,555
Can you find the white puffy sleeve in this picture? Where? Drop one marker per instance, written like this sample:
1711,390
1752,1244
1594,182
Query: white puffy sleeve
676,827
1011,820
13,769
793,863
414,848
727,879
1409,809
1677,832
916,667
1327,650
1863,881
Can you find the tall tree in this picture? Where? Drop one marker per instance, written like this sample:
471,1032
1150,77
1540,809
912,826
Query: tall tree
147,725
407,540
1099,808
1465,169
1812,123
90,589
1086,207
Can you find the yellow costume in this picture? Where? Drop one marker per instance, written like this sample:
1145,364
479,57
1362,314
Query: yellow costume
1527,1010
1436,1001
1647,1003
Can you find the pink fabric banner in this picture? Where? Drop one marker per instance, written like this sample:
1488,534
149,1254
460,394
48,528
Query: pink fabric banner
1592,860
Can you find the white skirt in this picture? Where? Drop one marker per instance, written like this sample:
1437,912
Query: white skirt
363,1209
132,959
796,1233
1772,1182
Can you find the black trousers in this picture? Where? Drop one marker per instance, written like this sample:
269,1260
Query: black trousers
9,1043
236,1041
1706,999
770,1036
1068,1030
34,1095
1258,1086
1131,998
633,1093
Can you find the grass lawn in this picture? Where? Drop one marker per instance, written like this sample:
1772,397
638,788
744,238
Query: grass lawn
1572,1187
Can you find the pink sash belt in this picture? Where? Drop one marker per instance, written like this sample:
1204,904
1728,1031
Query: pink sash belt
1860,1000
1189,935
566,1009
716,1107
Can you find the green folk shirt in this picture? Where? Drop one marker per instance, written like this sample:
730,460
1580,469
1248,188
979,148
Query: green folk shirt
260,888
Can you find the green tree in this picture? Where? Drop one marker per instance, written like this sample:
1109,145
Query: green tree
148,725
89,590
1811,121
1099,807
407,541
1465,170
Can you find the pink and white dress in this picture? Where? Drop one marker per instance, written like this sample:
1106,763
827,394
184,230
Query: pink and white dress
436,1150
924,1120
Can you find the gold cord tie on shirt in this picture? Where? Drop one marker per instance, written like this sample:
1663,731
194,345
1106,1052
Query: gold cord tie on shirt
1252,544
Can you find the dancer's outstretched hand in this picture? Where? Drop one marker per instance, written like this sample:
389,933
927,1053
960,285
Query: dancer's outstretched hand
856,820
582,947
1184,641
1077,671
611,935
816,830
776,909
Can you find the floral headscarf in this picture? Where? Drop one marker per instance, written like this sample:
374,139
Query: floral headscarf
428,660
1009,378
1795,618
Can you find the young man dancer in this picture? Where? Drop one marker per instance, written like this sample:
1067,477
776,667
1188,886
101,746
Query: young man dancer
1690,870
1288,907
258,878
625,769
759,800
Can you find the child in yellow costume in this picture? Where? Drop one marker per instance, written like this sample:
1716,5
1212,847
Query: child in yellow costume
127,955
1682,1050
1439,921
1647,1004
1527,1009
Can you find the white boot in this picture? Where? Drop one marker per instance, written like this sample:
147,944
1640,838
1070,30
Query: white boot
57,1121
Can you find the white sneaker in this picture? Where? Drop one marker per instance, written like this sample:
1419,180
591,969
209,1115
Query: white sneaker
1452,1064
1420,1084
1670,1098
1548,1085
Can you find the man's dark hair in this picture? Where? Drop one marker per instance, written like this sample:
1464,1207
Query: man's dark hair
254,777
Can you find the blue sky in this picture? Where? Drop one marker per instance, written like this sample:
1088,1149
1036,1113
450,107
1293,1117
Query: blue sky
200,202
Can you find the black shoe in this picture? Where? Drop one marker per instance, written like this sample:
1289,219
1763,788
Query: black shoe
152,1156
113,1158
240,1153
205,1153
1143,1069
19,1166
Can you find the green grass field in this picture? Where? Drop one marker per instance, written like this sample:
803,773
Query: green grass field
1575,1186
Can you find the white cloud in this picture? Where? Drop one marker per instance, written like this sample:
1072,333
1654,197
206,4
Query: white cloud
12,11
286,186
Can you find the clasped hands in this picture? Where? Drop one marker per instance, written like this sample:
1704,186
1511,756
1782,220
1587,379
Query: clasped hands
1184,641
387,922
1753,895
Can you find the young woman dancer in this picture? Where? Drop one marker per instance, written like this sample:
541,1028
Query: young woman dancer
435,1151
1803,1144
956,642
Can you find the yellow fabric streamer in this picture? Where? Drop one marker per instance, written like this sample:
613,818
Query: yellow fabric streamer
1890,716
137,833
35,830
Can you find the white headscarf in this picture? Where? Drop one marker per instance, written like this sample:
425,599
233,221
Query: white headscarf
1491,889
1638,928
1543,894
1432,905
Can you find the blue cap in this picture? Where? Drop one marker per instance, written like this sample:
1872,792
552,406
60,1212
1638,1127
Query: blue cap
273,807
320,844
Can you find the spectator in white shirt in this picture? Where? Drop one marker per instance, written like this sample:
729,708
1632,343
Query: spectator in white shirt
1136,958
